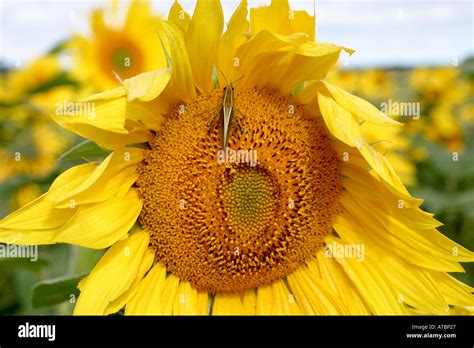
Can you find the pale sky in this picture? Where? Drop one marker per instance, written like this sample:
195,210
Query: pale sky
383,32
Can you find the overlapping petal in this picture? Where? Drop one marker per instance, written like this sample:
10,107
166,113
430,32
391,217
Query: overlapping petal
89,205
282,62
280,19
202,38
234,36
115,278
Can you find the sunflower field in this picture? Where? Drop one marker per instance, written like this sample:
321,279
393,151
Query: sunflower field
175,161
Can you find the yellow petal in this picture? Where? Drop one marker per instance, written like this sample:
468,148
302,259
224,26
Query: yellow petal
349,227
413,284
274,18
454,291
360,108
249,302
234,36
311,61
40,221
38,215
304,304
99,185
264,300
108,94
280,19
123,299
30,237
113,275
284,302
103,114
262,48
282,62
303,22
382,167
147,300
138,12
371,283
339,121
384,207
147,86
336,277
110,140
179,17
181,85
112,114
415,287
142,28
97,22
276,299
100,225
360,175
170,291
189,301
343,125
104,121
202,38
69,180
227,304
318,296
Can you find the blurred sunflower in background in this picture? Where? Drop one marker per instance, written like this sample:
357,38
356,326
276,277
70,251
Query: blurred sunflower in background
30,145
117,48
442,92
30,142
378,86
187,234
374,84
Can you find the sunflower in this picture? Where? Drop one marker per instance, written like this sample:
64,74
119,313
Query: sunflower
374,84
444,92
29,141
117,49
24,195
37,84
29,150
391,141
318,224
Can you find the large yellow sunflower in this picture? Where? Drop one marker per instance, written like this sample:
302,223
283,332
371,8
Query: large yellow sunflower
319,224
117,49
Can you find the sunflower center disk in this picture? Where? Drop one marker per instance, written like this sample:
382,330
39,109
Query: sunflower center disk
121,56
248,202
237,219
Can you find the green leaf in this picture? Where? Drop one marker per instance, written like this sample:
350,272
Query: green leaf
53,291
441,201
443,163
87,150
85,259
298,89
62,79
25,263
24,144
8,296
